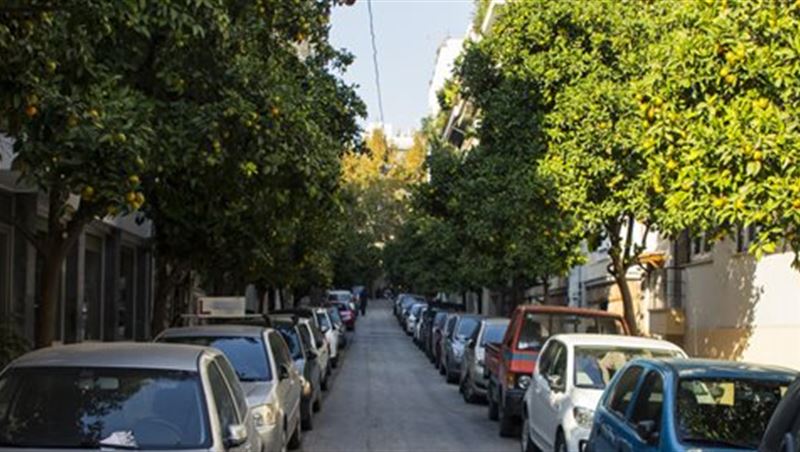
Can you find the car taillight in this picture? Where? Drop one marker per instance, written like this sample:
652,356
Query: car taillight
511,380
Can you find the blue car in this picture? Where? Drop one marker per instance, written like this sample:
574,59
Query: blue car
683,404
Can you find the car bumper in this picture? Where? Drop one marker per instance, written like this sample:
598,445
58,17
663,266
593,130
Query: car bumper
512,402
577,438
271,438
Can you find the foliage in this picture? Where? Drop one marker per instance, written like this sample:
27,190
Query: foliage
209,110
723,141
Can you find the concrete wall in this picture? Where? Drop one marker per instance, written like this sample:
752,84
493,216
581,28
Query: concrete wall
740,308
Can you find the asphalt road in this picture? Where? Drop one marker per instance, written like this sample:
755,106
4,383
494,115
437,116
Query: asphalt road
386,396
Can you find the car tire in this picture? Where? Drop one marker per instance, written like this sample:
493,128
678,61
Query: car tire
526,442
317,405
469,391
441,368
450,377
324,383
297,438
508,427
493,409
561,442
307,424
335,362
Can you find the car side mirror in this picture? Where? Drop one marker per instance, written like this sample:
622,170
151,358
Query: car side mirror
554,381
647,430
237,435
283,372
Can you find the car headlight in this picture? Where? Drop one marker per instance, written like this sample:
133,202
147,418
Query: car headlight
583,416
265,415
306,387
524,381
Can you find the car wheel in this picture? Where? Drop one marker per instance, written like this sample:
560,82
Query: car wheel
441,368
493,411
335,362
469,391
450,377
508,426
308,423
297,438
561,443
525,437
317,405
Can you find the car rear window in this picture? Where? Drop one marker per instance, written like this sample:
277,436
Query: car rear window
494,333
595,366
725,412
538,327
248,355
292,340
84,408
467,326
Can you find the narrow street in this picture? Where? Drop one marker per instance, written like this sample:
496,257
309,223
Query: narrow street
388,397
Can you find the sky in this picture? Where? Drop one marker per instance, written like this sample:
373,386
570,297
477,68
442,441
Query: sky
407,34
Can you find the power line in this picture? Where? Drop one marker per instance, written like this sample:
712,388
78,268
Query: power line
375,60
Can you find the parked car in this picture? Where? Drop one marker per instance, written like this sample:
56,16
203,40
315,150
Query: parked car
437,332
346,312
405,303
685,405
447,331
456,343
265,369
426,325
305,361
338,323
418,324
325,325
472,382
412,317
314,337
345,297
511,362
570,375
93,396
783,430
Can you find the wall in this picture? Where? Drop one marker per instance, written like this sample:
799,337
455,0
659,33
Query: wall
740,308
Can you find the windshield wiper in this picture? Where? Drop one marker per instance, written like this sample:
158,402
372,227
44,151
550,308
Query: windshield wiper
719,442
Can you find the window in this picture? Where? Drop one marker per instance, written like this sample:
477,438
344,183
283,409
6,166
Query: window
557,370
279,351
746,236
292,340
245,353
547,357
305,336
92,292
650,401
623,392
230,375
467,326
323,321
537,327
595,366
701,246
226,407
79,407
726,410
493,333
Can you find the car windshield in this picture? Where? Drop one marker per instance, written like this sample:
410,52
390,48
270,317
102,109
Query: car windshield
247,354
725,411
340,297
466,327
323,320
290,336
335,317
538,327
71,407
416,309
305,336
439,320
595,366
494,333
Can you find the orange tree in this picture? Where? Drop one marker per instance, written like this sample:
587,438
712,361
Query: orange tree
207,109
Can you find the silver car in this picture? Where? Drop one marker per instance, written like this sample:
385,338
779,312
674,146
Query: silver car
314,337
473,382
265,368
325,325
124,396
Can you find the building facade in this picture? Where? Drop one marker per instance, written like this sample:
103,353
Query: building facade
106,288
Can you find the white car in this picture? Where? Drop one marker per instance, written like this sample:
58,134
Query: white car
571,373
413,315
325,325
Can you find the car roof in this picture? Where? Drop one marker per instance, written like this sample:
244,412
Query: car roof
712,368
215,331
573,340
136,355
548,309
340,292
288,317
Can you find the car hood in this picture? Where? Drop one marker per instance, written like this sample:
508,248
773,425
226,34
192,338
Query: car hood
258,392
586,397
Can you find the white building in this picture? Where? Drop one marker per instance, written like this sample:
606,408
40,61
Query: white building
446,56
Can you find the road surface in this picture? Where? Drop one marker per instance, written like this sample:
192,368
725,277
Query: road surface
386,396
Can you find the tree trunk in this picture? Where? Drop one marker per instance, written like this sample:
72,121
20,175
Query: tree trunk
546,290
629,308
48,307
